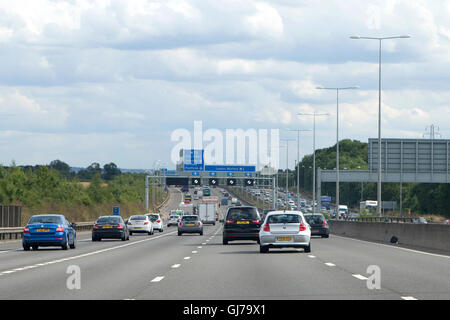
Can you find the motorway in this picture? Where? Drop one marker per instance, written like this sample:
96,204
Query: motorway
166,266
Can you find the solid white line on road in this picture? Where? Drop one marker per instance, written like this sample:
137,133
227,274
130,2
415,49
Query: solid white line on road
393,247
360,277
311,256
409,298
200,247
194,251
176,266
187,258
330,264
157,279
86,254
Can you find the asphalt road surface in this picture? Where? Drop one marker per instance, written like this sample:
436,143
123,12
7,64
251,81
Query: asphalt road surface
167,266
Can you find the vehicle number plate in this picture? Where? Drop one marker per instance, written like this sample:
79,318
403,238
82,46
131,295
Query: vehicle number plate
190,224
284,239
42,230
242,222
107,227
137,228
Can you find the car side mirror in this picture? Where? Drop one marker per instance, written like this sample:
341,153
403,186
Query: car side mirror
221,220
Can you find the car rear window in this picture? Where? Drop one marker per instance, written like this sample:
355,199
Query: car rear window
138,218
189,218
173,217
314,219
153,217
45,219
111,220
284,218
242,214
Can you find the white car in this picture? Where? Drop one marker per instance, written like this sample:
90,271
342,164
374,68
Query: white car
157,221
140,224
282,229
173,220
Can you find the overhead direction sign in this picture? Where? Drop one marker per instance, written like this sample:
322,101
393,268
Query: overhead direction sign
195,181
116,211
193,160
231,182
213,181
249,182
225,168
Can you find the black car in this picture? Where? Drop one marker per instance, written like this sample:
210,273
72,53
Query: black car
110,227
241,223
318,224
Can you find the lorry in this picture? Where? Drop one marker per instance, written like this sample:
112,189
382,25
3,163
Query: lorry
207,213
326,202
187,209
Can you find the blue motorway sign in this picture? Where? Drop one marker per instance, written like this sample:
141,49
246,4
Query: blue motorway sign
225,168
230,174
195,173
213,174
193,160
248,174
116,211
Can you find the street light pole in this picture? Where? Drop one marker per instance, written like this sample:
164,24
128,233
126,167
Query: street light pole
314,152
379,110
298,163
337,135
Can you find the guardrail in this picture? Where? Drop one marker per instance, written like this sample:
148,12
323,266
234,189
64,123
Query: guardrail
17,233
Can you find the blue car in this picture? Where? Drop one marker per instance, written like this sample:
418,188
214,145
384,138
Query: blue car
48,231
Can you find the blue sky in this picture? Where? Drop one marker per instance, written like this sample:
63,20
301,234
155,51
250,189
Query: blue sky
108,81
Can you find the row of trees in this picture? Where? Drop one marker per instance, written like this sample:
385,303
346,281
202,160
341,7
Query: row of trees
419,197
108,172
45,184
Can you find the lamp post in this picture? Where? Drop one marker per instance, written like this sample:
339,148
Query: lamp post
337,134
298,163
379,109
287,167
314,152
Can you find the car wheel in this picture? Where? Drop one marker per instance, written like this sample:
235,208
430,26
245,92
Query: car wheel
180,233
263,249
161,230
131,233
35,247
326,236
65,246
73,245
258,242
26,247
201,233
224,241
308,248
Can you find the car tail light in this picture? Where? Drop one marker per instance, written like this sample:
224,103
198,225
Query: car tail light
119,226
199,223
59,229
129,223
180,224
256,221
229,222
158,221
145,223
26,230
302,227
95,226
324,223
266,227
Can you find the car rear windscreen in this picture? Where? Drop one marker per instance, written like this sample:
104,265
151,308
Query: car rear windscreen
138,218
153,217
284,218
189,218
242,214
45,219
110,220
314,219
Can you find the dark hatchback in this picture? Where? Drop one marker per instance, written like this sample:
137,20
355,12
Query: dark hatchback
110,227
241,223
318,224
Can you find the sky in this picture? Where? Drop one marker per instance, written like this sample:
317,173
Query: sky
109,81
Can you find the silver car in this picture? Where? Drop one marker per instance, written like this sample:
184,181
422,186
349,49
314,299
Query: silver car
284,229
190,224
140,224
